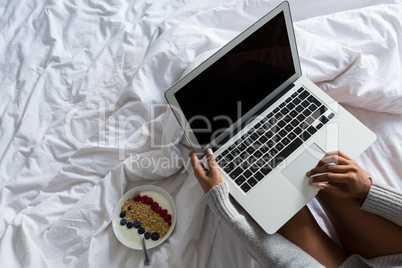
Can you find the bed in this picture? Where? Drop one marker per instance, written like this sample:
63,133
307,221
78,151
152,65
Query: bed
82,105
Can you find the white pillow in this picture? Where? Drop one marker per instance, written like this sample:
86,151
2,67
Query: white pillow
354,56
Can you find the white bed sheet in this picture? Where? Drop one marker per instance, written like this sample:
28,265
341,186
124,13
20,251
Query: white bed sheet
82,82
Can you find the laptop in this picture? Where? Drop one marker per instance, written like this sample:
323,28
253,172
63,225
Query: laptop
266,123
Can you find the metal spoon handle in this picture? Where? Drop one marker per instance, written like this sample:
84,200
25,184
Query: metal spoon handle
147,261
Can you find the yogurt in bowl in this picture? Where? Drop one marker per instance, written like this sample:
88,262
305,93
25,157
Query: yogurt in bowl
130,236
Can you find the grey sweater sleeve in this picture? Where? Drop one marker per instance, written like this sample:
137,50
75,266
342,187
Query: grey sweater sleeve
384,201
276,251
269,250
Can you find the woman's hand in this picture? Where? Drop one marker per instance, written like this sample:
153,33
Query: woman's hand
345,178
206,178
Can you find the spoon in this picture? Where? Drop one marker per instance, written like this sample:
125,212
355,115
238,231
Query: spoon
147,261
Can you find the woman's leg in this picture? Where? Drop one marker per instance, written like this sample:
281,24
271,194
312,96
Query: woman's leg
303,231
361,232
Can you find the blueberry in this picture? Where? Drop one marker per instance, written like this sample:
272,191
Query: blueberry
130,224
147,235
141,230
122,214
123,222
137,224
155,236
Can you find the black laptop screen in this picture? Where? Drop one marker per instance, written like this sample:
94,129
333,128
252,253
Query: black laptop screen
238,81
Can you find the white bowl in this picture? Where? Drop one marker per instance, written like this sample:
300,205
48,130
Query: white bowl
130,237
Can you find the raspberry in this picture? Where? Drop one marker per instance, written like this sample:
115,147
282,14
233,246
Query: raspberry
168,217
150,200
158,209
163,212
154,205
144,199
137,198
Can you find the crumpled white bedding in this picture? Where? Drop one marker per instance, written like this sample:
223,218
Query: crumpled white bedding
83,118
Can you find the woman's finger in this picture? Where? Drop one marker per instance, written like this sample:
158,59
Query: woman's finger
332,190
335,159
195,162
338,153
330,177
329,168
213,168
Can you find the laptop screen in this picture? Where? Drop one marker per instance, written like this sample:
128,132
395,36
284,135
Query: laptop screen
238,81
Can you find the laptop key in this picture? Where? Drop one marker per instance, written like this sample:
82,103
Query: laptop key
297,130
294,123
287,118
299,109
296,101
285,141
258,154
312,99
312,130
309,120
245,187
273,151
290,106
263,139
252,182
254,136
300,117
264,148
323,109
282,133
303,95
240,180
247,174
316,114
305,104
279,146
228,168
285,111
306,112
254,167
258,176
306,135
291,136
291,147
265,170
324,119
288,128
235,173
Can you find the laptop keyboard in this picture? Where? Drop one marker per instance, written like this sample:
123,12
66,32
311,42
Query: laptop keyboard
273,139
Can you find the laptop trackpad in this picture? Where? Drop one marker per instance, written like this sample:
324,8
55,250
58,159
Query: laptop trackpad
296,171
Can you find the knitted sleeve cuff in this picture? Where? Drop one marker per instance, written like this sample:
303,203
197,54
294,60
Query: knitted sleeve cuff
218,200
384,201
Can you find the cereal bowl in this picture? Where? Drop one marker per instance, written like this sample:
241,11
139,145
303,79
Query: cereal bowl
130,237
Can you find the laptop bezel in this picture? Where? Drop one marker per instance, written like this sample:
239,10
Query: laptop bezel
175,106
